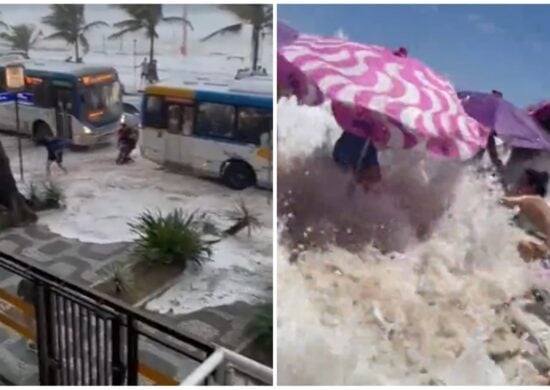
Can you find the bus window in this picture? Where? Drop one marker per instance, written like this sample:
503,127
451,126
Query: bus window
188,120
180,119
41,93
174,119
153,115
253,123
216,120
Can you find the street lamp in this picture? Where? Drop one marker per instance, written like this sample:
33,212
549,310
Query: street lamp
15,82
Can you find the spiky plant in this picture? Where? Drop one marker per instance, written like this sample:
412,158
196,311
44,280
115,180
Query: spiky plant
44,196
176,238
242,219
33,194
263,325
120,275
53,195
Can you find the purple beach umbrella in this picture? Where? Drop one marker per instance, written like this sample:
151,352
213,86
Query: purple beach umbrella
511,124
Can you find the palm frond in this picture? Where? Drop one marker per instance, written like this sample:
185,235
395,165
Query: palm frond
121,33
95,24
234,28
6,37
84,42
177,19
59,35
129,23
36,38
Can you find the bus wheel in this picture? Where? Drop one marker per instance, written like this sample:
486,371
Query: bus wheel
41,131
238,175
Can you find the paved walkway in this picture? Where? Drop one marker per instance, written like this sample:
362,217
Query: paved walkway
78,261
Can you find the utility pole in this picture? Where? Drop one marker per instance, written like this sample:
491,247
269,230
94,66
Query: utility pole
135,66
184,33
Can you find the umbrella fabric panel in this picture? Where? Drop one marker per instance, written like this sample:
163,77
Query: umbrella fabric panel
396,101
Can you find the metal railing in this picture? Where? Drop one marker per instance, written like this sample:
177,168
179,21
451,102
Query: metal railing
225,367
85,337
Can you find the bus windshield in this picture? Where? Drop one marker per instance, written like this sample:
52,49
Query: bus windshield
102,101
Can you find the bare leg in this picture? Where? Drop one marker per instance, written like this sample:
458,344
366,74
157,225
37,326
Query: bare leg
48,168
370,177
60,165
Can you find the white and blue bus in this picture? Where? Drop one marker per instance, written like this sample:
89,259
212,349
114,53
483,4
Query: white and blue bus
219,131
76,102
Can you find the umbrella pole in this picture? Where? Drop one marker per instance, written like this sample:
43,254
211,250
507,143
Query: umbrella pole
357,169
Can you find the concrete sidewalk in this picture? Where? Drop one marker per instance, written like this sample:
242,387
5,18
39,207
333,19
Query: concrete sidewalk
79,262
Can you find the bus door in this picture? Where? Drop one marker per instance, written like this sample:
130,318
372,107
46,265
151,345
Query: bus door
180,128
63,104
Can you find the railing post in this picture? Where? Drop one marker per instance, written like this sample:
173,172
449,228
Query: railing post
116,345
133,350
44,339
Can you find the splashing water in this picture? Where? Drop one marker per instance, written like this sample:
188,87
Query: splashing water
403,285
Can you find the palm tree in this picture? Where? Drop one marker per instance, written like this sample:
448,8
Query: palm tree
21,37
69,23
144,17
259,16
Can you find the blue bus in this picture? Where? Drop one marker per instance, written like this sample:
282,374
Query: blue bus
77,102
222,131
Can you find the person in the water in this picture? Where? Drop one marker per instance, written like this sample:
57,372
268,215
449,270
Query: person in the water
533,182
358,155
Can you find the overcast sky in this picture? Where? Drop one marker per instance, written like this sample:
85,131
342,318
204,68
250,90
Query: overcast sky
205,19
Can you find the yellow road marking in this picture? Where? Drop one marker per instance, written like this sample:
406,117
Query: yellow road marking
157,377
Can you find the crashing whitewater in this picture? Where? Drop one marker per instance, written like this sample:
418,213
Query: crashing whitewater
418,282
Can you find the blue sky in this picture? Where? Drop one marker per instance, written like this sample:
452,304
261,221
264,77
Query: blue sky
478,47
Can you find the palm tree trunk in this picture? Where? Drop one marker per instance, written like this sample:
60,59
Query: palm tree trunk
152,49
256,30
77,58
18,212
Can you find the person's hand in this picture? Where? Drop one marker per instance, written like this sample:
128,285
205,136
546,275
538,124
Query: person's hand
509,201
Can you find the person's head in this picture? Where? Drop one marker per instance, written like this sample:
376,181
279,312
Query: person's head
534,183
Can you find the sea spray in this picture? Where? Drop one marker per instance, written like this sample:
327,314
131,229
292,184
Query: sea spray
392,286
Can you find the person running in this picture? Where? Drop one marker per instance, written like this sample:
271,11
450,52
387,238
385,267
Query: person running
144,70
358,155
55,147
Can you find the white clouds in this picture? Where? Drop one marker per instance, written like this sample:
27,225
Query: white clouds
340,34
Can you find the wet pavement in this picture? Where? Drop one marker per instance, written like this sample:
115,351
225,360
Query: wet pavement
77,261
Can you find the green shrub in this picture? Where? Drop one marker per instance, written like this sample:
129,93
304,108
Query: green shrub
46,196
33,194
263,325
120,275
176,238
242,219
53,195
